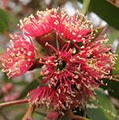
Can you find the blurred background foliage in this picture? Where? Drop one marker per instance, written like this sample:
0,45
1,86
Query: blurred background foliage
105,105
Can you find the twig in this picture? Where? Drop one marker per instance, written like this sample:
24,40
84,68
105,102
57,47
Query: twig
29,113
115,79
13,103
116,76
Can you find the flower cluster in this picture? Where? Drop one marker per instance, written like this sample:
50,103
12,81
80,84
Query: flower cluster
75,60
19,56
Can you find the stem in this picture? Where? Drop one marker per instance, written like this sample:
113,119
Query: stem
29,113
114,79
57,42
115,76
13,103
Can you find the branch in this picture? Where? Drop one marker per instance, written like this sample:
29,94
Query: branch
13,103
29,113
114,79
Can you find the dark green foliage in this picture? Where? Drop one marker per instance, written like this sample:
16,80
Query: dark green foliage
4,21
101,108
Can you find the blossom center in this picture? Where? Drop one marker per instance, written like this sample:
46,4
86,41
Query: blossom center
61,65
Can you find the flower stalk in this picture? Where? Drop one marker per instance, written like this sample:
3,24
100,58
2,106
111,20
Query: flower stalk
16,102
29,113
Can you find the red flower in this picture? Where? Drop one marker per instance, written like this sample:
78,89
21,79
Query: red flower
39,25
74,73
50,22
73,28
74,65
42,96
7,88
11,97
19,56
77,64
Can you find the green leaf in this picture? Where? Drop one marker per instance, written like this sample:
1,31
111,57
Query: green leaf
86,4
66,118
38,116
113,36
101,108
112,87
4,21
19,117
98,31
106,11
13,20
